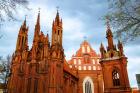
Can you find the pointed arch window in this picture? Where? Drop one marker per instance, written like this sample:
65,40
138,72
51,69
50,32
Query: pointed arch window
116,78
88,87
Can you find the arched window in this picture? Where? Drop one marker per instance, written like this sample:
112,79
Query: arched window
116,78
88,87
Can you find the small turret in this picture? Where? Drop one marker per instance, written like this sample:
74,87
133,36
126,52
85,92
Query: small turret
120,47
102,50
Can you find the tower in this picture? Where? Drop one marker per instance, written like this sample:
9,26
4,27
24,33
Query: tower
114,66
36,38
56,58
22,41
57,30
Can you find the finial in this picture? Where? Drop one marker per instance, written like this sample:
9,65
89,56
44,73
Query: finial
107,22
38,18
24,23
57,8
101,46
39,10
25,17
85,37
47,31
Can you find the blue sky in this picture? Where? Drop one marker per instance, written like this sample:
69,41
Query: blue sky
80,18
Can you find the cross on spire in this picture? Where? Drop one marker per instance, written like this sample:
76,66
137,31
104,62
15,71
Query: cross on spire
85,37
57,8
39,10
25,17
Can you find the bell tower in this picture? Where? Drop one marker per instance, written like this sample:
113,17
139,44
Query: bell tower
114,66
57,30
56,58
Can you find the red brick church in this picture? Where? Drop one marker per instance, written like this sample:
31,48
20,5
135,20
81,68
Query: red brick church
44,69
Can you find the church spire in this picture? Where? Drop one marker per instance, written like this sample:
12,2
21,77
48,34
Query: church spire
24,23
38,21
37,28
109,35
38,18
22,40
57,30
57,19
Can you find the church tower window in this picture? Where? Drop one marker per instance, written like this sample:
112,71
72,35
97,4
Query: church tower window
116,78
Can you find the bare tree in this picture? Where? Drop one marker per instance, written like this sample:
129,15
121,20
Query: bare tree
124,16
4,71
4,68
8,8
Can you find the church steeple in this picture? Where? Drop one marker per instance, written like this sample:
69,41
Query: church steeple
57,30
22,41
24,23
109,36
37,28
57,19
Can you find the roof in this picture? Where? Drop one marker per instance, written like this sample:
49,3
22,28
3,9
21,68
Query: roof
85,48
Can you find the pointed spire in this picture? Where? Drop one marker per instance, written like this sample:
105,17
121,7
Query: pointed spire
38,18
24,23
120,44
102,46
57,30
120,47
37,28
23,33
57,15
102,50
57,19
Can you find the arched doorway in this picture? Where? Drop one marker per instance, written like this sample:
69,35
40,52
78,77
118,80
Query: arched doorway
88,86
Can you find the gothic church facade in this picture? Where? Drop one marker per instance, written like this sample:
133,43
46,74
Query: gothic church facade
44,69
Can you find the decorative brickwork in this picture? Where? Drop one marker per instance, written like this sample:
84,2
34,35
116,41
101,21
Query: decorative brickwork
44,69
